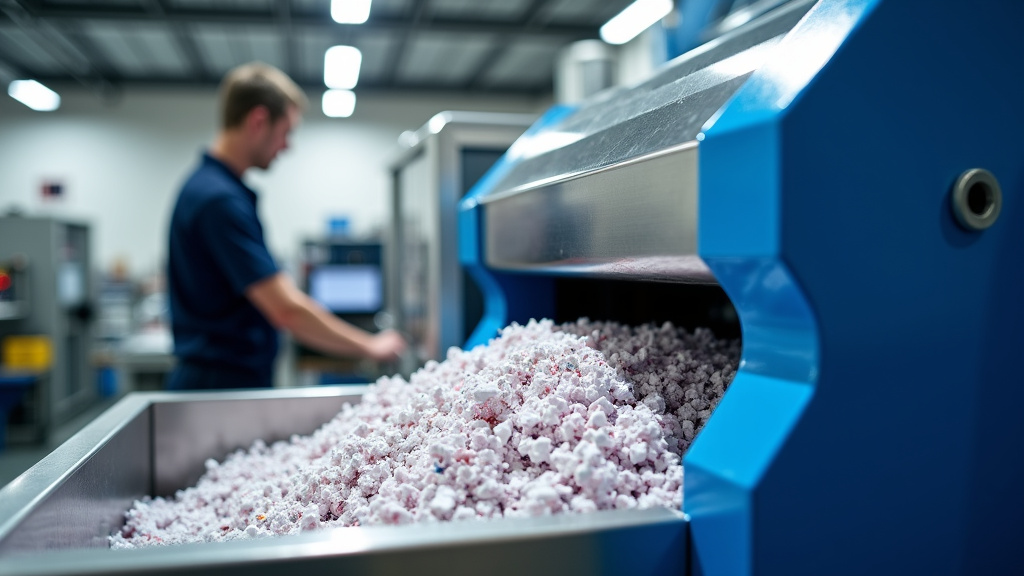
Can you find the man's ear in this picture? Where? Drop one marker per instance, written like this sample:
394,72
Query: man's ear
257,118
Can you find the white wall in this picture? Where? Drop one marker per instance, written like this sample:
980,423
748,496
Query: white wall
122,163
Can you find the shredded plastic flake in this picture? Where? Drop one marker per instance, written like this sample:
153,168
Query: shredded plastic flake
543,419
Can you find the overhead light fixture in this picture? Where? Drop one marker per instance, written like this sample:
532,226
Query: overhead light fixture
339,103
34,95
636,18
350,11
341,67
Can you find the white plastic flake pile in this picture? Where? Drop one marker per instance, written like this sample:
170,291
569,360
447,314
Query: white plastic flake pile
544,419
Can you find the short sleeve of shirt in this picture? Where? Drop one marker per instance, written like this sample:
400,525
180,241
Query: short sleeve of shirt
232,232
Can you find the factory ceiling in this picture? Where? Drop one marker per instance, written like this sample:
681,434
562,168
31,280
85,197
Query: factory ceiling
468,46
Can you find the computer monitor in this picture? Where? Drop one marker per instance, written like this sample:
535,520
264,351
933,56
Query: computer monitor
347,288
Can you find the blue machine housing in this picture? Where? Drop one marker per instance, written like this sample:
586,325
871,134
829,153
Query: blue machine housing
879,332
873,426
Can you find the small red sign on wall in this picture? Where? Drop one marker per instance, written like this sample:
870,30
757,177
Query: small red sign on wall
53,190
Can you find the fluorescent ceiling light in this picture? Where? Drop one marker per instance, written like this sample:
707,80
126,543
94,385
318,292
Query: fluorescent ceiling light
34,95
350,11
341,67
636,18
339,103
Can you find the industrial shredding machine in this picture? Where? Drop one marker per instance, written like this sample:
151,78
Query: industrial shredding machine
850,173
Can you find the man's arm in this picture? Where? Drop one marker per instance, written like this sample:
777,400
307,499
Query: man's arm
288,308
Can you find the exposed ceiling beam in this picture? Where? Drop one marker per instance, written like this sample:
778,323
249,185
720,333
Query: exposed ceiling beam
157,11
532,15
365,87
15,69
486,62
62,29
528,20
417,14
85,46
305,21
284,22
23,14
78,40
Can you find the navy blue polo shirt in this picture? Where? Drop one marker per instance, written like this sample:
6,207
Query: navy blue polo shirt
216,251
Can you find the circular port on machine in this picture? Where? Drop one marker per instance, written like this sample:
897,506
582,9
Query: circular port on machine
977,199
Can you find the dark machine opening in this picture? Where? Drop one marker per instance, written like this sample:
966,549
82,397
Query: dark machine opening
634,303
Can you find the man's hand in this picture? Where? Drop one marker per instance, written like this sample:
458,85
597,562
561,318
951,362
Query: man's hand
386,346
288,308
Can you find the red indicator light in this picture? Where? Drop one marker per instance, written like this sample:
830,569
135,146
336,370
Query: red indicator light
5,281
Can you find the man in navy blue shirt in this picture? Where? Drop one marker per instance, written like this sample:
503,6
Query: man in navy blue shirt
228,297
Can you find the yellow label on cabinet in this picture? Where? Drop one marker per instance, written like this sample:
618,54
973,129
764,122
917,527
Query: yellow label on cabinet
27,352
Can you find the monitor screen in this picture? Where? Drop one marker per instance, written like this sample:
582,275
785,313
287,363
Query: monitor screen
347,289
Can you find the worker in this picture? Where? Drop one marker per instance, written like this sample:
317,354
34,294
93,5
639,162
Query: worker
228,298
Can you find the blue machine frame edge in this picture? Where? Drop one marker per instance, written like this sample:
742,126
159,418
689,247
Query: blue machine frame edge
873,425
507,297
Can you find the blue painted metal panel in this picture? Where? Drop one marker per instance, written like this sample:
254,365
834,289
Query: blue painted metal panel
694,18
507,297
724,468
872,427
663,546
13,386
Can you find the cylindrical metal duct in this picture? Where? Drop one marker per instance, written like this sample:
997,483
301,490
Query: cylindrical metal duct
583,68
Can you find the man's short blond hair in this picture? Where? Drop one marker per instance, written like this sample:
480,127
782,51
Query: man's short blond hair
257,84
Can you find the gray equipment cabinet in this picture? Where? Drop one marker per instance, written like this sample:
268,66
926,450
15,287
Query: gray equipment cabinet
59,306
433,301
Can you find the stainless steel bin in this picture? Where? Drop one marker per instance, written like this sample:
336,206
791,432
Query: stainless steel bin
55,518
